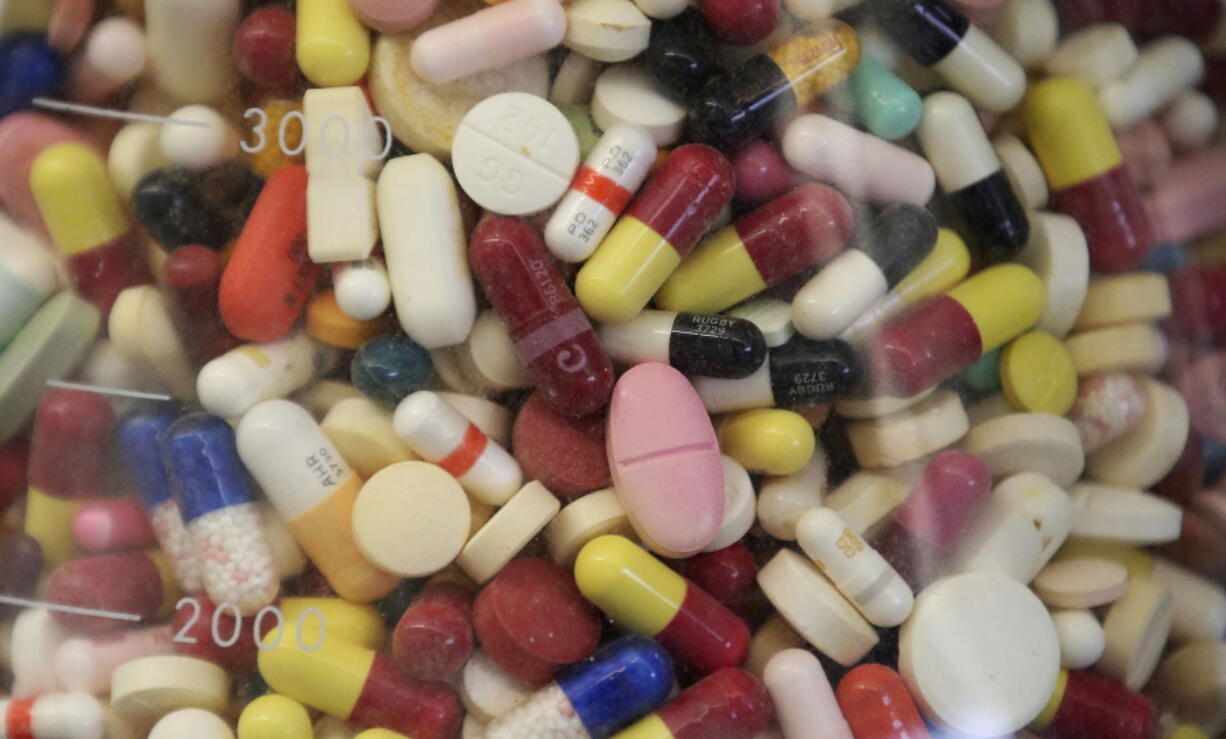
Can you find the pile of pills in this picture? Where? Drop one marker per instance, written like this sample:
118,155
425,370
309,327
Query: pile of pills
634,369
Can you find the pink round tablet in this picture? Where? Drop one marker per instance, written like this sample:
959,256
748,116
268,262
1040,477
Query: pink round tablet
111,525
1203,385
393,16
665,460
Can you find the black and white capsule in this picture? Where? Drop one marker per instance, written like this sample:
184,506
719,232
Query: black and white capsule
882,254
695,344
801,372
970,175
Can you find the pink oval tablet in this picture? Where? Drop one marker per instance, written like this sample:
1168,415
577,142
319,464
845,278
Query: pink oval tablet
665,460
1203,384
23,136
393,16
1186,202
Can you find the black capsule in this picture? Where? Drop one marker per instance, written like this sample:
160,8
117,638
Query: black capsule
737,107
715,346
231,189
995,222
928,30
171,207
804,372
898,239
682,55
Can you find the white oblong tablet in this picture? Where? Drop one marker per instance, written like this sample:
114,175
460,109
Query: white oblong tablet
1123,515
1081,638
411,519
515,154
1097,54
1082,582
625,94
803,698
980,654
1058,254
739,506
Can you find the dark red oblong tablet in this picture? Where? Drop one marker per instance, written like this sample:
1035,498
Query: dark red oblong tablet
129,584
532,620
434,637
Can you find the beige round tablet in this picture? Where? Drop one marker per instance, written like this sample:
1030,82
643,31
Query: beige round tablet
446,365
1029,442
575,80
425,116
928,426
1136,626
411,519
740,506
1127,298
487,690
191,723
1022,169
1192,682
593,515
148,688
323,396
606,30
1132,347
472,728
1058,254
363,434
815,609
1081,583
980,654
993,406
512,527
878,406
1081,638
1145,453
489,359
1123,515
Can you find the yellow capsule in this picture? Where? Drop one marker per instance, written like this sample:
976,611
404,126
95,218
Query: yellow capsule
632,587
1037,374
1185,731
1044,719
767,440
74,196
170,586
330,678
1004,301
332,46
328,324
648,727
350,622
627,268
1069,132
718,275
274,717
380,734
49,522
945,266
817,57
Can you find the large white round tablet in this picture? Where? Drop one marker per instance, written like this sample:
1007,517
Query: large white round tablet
515,154
625,94
979,654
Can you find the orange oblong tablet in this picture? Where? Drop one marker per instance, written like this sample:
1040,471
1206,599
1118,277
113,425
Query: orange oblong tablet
269,276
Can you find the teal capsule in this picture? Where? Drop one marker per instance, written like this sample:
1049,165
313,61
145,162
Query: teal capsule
886,105
982,378
580,119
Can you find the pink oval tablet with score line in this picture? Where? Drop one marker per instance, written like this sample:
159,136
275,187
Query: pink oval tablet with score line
665,460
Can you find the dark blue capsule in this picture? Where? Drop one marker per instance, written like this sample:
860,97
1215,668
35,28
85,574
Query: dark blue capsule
389,368
620,682
29,68
140,442
205,470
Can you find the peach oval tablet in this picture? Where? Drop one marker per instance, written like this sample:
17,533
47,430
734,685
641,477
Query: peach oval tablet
665,460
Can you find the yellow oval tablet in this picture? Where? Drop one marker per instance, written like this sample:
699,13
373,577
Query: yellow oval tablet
768,440
1037,374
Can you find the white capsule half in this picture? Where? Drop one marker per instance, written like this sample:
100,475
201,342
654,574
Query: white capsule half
836,296
230,384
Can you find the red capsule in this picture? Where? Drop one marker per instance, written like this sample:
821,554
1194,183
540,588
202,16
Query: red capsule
1110,212
68,451
741,22
1198,301
926,528
191,275
14,455
1094,707
264,48
727,704
270,276
194,628
130,584
729,575
552,335
111,525
761,172
876,704
434,637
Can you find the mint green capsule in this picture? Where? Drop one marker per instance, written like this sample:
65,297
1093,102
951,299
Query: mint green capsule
580,119
886,105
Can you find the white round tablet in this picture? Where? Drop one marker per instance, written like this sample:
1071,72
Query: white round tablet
1081,638
198,137
625,94
191,723
515,154
980,654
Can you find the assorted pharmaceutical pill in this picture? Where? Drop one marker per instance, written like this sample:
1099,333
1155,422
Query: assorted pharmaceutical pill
612,369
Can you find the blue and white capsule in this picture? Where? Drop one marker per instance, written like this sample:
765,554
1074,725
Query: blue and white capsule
140,441
595,698
222,516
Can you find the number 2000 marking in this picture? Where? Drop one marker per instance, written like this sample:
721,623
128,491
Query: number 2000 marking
261,138
182,637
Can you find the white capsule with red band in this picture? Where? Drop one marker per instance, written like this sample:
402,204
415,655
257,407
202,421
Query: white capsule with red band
53,716
438,433
600,191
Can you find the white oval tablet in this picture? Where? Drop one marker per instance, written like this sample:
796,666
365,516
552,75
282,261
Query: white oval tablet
606,30
1123,515
515,154
487,690
625,94
1081,638
980,654
191,723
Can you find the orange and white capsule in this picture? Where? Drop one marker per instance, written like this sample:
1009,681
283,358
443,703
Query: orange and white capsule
600,192
438,433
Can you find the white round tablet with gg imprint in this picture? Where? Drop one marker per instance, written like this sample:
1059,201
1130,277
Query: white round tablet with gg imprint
980,654
515,154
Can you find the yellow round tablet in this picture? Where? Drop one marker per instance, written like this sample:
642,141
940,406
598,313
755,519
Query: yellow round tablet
1037,374
768,440
274,716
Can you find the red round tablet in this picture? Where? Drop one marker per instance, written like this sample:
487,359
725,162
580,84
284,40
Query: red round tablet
13,458
566,454
532,620
741,22
434,637
263,48
1203,385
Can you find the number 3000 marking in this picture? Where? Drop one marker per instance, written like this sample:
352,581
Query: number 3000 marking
382,129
